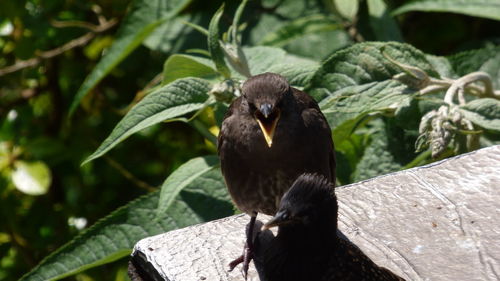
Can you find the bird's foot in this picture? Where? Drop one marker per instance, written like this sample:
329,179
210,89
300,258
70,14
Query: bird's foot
247,255
235,262
245,258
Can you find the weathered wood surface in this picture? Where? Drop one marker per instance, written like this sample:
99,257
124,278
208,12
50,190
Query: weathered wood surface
437,222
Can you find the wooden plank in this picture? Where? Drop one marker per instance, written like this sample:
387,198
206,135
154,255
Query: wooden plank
436,222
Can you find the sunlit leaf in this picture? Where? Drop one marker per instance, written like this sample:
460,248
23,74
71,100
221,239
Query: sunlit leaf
358,80
173,100
182,177
181,66
483,112
347,8
486,59
297,70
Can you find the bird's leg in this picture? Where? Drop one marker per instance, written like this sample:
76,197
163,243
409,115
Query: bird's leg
247,250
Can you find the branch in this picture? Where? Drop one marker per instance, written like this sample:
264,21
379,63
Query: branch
80,41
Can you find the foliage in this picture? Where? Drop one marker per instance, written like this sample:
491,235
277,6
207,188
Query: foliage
135,92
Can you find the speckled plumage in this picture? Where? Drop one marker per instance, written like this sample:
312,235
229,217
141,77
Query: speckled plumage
307,246
256,175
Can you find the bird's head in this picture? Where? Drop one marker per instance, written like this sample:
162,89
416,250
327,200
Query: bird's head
264,94
309,205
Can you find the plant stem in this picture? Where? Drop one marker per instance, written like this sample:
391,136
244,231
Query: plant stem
128,175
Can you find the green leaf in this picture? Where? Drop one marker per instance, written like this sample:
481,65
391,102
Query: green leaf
214,46
479,8
378,157
182,177
173,100
171,35
318,46
358,80
261,59
236,21
32,178
142,19
383,25
343,131
114,236
181,66
486,59
442,66
484,112
298,28
347,8
297,70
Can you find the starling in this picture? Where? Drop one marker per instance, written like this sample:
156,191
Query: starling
307,246
270,135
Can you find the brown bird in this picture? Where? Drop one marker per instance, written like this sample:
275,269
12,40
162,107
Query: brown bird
270,135
307,246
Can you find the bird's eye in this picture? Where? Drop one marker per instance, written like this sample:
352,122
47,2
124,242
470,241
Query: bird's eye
285,215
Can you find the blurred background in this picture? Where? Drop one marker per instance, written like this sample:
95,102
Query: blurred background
49,47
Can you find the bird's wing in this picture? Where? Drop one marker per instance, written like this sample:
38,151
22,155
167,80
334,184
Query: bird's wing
232,108
309,104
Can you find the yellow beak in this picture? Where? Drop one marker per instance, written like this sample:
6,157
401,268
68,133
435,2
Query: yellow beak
268,127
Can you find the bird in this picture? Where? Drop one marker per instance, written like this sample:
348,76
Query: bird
307,246
270,135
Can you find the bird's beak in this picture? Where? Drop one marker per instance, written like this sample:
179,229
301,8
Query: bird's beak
267,119
281,218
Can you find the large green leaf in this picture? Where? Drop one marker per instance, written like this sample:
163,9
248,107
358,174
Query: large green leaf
181,66
484,112
172,34
182,177
480,8
486,59
113,237
298,28
315,36
283,14
297,70
173,100
383,25
358,80
143,18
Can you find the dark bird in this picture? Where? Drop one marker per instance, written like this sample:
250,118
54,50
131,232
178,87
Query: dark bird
270,135
307,246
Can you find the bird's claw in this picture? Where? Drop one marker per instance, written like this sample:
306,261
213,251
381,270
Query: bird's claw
245,258
235,262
